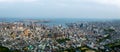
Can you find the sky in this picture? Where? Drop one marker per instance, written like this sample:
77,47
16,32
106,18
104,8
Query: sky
60,8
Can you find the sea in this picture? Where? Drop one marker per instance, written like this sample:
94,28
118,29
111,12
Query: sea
54,21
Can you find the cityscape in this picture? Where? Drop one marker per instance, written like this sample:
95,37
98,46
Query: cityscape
37,36
59,25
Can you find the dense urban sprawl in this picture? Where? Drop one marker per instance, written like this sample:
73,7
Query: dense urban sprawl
33,37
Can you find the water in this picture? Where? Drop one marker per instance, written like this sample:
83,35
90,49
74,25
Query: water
53,21
62,21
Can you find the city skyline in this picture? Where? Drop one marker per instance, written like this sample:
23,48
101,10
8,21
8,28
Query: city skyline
59,26
108,9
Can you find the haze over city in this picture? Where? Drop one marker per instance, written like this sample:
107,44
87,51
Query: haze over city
59,25
60,8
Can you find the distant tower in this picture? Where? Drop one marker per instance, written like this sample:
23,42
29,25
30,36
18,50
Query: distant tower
32,25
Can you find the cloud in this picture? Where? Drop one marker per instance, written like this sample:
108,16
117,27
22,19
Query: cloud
9,1
115,3
60,8
107,2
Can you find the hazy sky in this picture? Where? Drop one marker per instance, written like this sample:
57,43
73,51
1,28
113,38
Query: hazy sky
60,8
